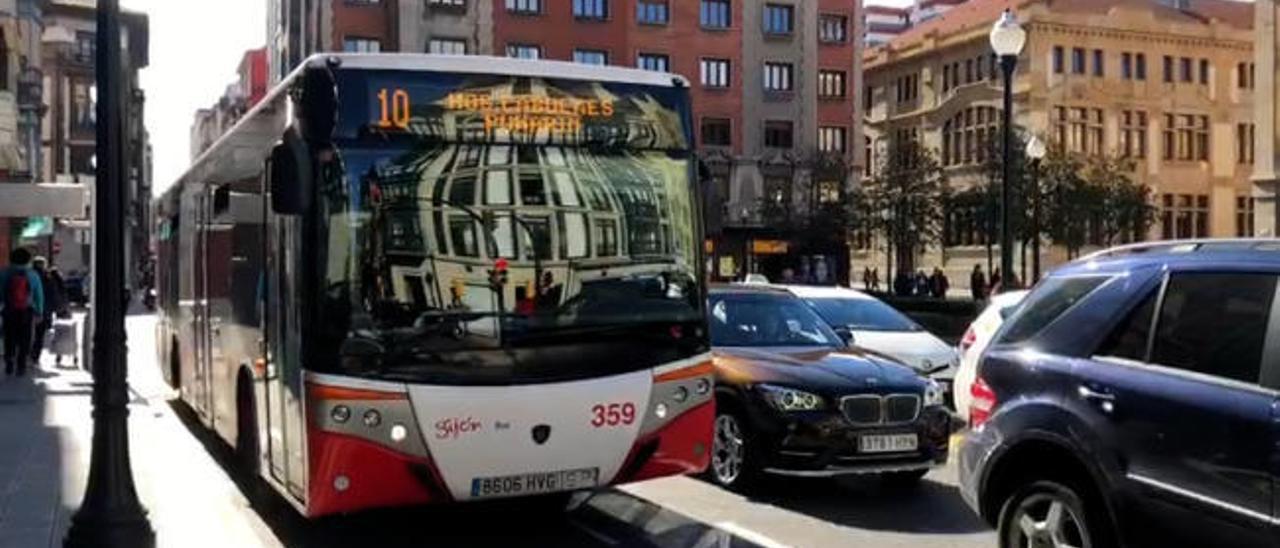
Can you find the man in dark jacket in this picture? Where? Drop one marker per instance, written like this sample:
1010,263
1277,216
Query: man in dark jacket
22,297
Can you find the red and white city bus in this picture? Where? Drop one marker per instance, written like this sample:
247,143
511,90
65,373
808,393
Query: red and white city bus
408,279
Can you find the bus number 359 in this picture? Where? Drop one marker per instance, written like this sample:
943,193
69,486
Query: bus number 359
613,414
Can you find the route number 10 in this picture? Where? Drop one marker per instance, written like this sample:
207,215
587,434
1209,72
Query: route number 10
395,108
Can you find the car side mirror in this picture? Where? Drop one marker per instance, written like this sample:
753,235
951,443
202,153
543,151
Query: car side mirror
289,176
846,335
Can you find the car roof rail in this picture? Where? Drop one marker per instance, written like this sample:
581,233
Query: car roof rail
1185,246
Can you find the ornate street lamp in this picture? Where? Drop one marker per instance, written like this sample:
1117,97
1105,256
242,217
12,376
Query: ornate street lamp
110,515
1007,40
1035,152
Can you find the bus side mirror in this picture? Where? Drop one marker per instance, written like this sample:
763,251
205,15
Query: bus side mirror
290,176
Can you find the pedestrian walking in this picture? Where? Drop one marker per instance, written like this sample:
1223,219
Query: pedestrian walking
866,278
995,282
939,283
875,279
922,283
978,283
23,303
55,299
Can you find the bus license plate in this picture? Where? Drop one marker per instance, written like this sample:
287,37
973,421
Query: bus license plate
888,443
535,483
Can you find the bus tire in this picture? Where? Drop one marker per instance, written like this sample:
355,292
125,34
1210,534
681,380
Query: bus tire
246,425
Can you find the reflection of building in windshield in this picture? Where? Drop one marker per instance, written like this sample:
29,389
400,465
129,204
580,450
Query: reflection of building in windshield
562,218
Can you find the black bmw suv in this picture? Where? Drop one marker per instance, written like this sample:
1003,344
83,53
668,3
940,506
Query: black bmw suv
793,399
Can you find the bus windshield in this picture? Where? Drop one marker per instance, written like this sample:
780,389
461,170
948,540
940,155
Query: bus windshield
487,252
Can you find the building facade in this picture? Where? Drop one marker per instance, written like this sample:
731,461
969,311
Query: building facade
1168,87
67,58
240,96
1266,181
772,82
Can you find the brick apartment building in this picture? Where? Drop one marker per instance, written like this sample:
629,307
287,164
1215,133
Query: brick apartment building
772,85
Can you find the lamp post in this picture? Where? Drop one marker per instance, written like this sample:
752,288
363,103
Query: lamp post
110,515
1007,39
1035,153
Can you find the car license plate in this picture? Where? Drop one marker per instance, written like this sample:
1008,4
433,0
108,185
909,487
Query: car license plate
887,443
534,483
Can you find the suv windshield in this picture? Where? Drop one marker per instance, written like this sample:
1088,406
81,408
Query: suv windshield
743,319
861,314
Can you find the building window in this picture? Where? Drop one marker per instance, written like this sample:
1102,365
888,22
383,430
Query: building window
833,29
361,45
1186,137
779,18
716,132
715,73
908,88
82,106
1184,216
524,51
946,78
652,12
1244,216
868,98
1244,75
527,7
714,14
448,46
591,9
1077,60
1079,129
1057,60
777,77
831,84
438,3
831,139
86,46
1133,134
1099,63
654,61
1244,143
376,2
968,71
1168,69
777,134
968,136
1184,66
590,57
1140,66
1204,71
1126,66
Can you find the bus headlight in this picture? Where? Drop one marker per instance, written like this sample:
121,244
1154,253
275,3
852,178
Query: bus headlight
340,414
372,418
660,410
703,386
680,395
398,432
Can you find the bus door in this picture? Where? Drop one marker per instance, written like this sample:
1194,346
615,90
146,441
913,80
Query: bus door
284,368
200,308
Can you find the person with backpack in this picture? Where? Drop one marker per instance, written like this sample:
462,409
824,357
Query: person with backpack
23,303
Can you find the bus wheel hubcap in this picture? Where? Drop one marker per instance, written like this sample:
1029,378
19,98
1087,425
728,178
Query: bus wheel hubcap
727,449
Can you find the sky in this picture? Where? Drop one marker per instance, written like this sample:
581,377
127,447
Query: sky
196,46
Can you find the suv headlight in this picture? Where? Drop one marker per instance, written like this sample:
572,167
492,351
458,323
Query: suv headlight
790,399
933,394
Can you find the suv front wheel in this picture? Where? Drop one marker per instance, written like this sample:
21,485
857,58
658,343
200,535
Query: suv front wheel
1047,514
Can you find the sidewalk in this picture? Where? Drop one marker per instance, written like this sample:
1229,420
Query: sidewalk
45,437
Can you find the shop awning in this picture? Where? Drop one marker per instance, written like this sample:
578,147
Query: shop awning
43,200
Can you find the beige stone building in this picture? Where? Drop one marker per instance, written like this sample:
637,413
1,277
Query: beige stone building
1266,182
1168,85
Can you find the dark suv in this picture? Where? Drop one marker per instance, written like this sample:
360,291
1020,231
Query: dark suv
1135,400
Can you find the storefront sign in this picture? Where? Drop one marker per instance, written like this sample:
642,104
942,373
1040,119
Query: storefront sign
769,247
